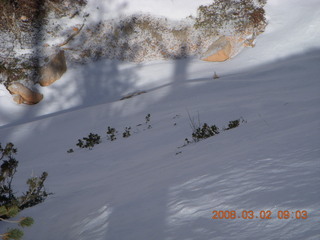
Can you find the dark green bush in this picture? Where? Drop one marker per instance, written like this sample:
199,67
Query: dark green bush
70,150
111,133
88,142
15,234
10,203
204,132
126,132
233,124
148,120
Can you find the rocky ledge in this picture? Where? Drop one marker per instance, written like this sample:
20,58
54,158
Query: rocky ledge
40,40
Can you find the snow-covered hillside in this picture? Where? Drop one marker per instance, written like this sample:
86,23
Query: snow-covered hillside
149,187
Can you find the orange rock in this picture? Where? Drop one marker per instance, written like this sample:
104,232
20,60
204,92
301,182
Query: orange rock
219,51
53,70
220,56
227,47
22,94
17,98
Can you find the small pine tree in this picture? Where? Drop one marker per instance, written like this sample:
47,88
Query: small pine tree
36,192
15,234
88,142
111,133
80,143
148,120
10,204
204,132
126,132
233,124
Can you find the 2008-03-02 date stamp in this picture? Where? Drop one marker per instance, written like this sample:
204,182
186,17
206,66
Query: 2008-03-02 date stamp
263,214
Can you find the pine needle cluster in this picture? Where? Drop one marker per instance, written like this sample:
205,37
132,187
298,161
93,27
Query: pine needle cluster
10,204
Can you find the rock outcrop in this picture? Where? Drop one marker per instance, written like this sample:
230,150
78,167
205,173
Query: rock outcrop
219,51
54,70
134,38
22,94
227,47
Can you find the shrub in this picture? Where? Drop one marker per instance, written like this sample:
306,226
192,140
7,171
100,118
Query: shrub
201,132
148,120
70,150
88,142
126,132
204,132
36,193
111,133
233,124
10,204
15,234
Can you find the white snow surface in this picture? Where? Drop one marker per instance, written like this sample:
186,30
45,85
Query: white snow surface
172,9
145,186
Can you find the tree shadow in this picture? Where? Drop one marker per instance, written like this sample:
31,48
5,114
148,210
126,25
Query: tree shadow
93,83
177,197
174,197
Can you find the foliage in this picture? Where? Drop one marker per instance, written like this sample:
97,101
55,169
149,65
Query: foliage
111,133
204,132
126,132
26,222
9,211
36,193
235,123
88,142
148,120
93,139
70,150
10,204
15,234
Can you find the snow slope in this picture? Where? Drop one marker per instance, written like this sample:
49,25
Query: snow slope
145,187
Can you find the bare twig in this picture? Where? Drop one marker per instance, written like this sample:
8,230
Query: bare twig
194,126
9,221
71,37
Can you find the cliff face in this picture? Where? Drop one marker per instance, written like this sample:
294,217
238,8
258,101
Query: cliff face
35,30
